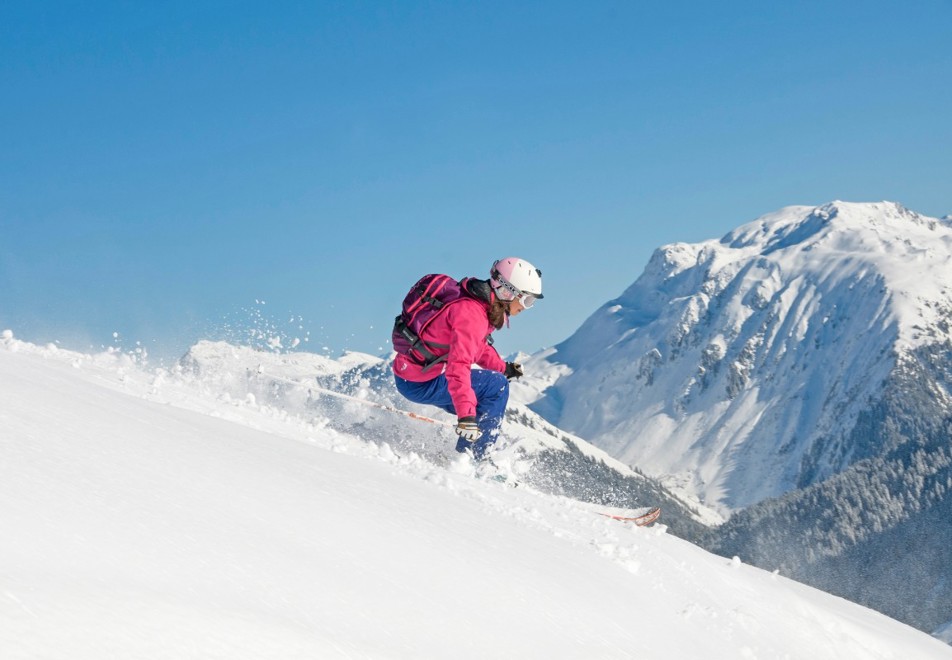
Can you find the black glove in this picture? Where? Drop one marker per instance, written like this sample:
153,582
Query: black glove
513,370
466,428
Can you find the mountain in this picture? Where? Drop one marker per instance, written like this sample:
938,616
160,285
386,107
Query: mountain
796,375
175,513
742,368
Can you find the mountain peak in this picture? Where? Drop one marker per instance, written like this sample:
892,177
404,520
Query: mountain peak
804,226
784,329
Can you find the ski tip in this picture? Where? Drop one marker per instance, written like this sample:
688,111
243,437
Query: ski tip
640,520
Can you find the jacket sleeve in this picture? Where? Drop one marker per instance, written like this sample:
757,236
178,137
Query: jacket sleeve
468,329
489,359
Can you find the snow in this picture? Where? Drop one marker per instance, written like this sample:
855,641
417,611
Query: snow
147,513
945,633
729,361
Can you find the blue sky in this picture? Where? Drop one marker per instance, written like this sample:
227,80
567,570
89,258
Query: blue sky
166,167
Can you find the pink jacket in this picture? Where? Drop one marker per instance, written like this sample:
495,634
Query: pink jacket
465,327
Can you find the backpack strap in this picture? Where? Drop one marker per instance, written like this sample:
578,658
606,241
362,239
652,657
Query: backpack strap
426,295
418,345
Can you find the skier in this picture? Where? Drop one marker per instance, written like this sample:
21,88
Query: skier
460,335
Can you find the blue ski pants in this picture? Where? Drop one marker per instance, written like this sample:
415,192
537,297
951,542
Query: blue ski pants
492,395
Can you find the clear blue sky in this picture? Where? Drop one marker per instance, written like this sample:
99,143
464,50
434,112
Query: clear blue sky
163,166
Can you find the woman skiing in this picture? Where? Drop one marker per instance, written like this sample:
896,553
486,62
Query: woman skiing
459,336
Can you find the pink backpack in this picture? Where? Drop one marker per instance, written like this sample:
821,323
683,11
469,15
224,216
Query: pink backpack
423,303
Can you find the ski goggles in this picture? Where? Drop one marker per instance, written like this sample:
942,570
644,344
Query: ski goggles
527,300
507,292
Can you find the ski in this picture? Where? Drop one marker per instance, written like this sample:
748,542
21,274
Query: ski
640,520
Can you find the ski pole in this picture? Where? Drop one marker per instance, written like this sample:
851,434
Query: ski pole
348,397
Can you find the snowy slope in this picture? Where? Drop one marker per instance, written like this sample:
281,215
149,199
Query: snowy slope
352,390
737,368
145,515
945,633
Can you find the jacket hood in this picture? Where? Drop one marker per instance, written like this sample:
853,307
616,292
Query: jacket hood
479,289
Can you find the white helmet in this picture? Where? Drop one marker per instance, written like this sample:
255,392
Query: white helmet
513,278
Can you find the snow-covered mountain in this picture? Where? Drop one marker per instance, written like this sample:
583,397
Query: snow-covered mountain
742,368
175,513
796,373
